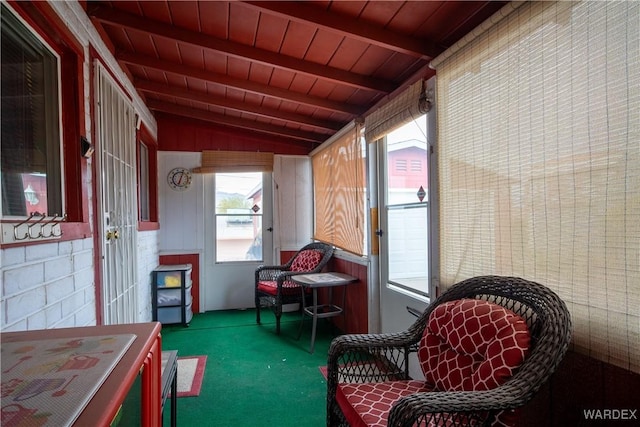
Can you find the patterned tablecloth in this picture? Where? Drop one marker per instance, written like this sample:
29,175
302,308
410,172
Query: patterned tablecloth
49,382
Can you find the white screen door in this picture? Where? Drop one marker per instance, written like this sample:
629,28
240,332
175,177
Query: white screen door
405,246
116,157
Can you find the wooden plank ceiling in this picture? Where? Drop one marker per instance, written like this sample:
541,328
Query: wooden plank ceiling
297,70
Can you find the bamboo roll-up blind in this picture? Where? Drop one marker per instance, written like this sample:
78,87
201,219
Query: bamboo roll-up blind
339,193
539,163
401,110
235,161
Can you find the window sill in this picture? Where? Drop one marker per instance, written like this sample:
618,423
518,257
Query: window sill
348,256
406,292
148,226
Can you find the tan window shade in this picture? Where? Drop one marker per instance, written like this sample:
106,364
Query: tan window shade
539,159
235,161
339,193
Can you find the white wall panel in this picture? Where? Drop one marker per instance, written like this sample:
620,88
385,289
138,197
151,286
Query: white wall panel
180,212
147,262
293,210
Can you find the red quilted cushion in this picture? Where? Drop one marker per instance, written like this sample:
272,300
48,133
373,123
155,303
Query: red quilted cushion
306,260
472,345
369,404
271,287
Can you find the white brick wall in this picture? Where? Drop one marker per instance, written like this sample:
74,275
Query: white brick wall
47,286
52,285
147,261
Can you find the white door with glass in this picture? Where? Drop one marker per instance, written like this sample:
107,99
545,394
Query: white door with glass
404,222
239,236
117,204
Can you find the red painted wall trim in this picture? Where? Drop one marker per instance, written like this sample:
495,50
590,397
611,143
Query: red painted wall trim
148,226
40,15
144,136
194,260
97,244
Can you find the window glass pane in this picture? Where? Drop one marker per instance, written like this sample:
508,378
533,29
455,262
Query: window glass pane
407,145
408,249
407,206
144,182
31,160
238,216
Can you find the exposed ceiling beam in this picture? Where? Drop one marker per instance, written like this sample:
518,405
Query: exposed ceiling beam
118,18
199,114
347,26
224,80
243,107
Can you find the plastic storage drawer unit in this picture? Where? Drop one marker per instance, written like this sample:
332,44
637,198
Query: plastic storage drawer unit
171,293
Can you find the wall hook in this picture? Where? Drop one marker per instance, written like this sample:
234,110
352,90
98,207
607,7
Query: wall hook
31,236
17,226
51,221
54,234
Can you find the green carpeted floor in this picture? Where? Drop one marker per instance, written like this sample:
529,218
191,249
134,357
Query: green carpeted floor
253,377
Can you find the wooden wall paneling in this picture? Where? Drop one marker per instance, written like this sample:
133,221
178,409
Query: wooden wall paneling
581,384
621,389
356,305
285,256
573,391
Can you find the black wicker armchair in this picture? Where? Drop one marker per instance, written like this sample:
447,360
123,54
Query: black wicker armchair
381,360
273,287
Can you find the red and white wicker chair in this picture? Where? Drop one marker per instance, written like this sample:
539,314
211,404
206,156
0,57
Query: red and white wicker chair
485,346
273,287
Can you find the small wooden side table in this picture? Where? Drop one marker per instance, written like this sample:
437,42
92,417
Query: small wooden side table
317,311
169,382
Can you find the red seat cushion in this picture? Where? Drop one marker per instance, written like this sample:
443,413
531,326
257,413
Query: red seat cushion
271,287
467,345
369,404
306,260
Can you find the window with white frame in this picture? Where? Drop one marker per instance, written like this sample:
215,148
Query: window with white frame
238,216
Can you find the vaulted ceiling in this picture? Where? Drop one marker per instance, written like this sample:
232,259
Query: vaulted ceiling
298,70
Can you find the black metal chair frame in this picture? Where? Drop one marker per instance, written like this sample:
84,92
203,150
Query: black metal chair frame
281,273
550,326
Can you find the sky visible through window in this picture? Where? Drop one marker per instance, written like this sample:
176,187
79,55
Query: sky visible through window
237,182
